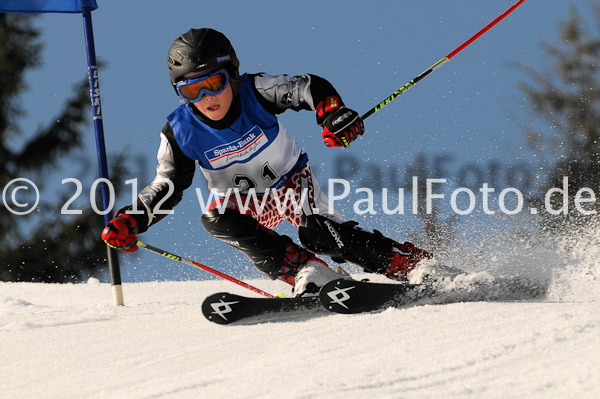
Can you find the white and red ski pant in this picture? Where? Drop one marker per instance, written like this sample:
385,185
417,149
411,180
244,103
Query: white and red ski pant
300,197
245,222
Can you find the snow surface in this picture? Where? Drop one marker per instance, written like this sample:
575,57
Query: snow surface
69,341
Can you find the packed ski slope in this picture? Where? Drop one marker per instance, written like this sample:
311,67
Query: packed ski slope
68,341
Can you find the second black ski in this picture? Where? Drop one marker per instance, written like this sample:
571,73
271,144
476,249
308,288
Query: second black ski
351,296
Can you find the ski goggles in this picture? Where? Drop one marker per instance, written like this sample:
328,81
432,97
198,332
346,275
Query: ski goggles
193,88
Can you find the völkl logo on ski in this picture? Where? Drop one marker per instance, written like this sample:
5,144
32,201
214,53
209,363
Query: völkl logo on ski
340,295
222,308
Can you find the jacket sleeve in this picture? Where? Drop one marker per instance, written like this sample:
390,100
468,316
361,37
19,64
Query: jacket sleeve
282,92
174,174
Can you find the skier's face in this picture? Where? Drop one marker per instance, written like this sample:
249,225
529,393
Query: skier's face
215,107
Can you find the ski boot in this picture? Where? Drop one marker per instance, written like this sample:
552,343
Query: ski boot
304,271
345,242
404,260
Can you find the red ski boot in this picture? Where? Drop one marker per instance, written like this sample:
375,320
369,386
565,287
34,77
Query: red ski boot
404,259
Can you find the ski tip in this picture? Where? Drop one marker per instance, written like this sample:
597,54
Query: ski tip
338,296
218,308
226,308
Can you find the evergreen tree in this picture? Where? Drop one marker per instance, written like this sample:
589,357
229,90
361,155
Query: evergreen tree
56,248
568,99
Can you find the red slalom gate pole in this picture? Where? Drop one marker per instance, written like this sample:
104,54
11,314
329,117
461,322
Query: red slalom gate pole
442,61
189,262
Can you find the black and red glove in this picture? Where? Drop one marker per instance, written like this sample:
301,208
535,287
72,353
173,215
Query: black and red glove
119,233
342,127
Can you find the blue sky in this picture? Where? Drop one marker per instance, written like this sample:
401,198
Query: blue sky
469,111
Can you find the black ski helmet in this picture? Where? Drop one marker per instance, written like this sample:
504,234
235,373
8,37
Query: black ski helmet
201,50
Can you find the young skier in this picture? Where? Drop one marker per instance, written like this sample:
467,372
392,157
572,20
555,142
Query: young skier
228,124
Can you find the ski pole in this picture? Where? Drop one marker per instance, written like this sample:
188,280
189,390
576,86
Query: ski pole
442,61
181,259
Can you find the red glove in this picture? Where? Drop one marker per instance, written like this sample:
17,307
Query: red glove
119,233
342,127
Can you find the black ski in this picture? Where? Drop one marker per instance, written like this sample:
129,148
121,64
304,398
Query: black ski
351,296
226,308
